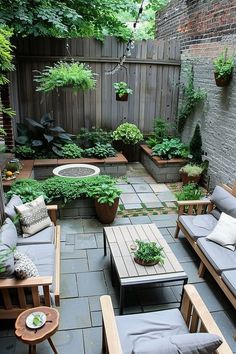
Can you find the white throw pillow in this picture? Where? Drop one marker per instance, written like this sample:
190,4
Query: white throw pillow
33,216
225,232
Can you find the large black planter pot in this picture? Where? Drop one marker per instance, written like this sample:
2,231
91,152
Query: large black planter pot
122,98
130,151
106,213
223,80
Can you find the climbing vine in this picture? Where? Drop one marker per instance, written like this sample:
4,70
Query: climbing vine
191,97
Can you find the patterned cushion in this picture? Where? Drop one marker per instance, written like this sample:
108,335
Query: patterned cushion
24,266
33,216
6,261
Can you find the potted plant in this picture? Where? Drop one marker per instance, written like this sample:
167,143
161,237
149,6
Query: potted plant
148,253
223,66
106,201
122,91
191,173
76,75
126,136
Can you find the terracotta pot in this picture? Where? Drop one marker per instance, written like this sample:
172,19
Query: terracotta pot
122,98
223,81
189,179
106,213
139,261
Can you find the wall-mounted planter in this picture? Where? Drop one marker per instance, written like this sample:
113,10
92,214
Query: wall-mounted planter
162,171
223,80
122,98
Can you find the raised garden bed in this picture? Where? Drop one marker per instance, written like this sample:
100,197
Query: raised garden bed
162,171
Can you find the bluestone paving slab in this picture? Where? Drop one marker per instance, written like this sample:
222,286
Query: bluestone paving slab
226,321
153,205
148,198
164,223
191,268
68,227
96,318
149,180
67,248
74,313
85,241
93,340
97,260
164,217
110,288
129,198
159,187
140,220
7,345
153,296
92,225
171,204
74,254
70,239
68,286
133,206
135,180
121,221
214,300
91,283
94,302
183,251
69,342
142,188
126,188
166,197
74,265
99,239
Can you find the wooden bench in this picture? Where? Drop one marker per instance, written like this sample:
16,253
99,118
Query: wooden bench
15,293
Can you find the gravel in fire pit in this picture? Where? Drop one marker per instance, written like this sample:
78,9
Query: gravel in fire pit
76,172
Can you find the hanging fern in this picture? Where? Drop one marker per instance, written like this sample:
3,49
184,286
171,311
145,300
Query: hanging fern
5,54
191,97
76,75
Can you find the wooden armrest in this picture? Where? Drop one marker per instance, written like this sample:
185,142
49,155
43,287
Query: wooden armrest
193,202
52,211
207,320
194,206
52,207
29,282
110,327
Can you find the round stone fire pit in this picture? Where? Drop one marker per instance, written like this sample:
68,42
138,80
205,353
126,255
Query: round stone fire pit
78,170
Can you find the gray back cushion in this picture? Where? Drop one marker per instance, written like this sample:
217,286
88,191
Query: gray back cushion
8,234
10,210
224,201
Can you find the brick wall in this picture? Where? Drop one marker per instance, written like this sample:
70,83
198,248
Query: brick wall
205,29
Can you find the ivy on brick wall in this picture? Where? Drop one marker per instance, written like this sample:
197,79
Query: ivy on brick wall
191,97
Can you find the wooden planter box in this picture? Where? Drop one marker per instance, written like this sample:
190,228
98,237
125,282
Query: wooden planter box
113,166
161,170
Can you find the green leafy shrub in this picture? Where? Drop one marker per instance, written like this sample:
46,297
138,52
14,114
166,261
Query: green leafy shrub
192,170
191,97
89,138
223,65
27,190
121,88
100,151
128,133
6,56
195,146
189,191
43,136
25,152
76,75
149,252
171,148
104,193
160,132
71,151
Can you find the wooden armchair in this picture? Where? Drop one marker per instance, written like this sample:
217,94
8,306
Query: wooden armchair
194,312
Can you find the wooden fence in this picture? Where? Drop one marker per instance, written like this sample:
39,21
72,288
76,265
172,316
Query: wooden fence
152,72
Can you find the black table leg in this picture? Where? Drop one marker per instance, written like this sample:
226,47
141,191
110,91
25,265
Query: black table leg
112,271
122,297
104,243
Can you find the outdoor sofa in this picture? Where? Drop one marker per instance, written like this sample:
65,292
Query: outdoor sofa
149,333
43,248
198,222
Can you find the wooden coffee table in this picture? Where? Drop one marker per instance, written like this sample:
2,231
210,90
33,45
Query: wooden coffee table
35,336
120,238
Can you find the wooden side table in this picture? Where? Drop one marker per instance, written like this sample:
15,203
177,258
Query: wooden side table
35,336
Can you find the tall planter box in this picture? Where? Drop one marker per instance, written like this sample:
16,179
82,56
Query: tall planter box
78,208
130,151
162,171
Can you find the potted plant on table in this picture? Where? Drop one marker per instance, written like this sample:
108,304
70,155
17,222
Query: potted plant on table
223,66
191,173
148,253
127,136
122,91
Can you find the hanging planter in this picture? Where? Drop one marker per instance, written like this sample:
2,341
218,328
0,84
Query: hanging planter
223,66
75,75
122,91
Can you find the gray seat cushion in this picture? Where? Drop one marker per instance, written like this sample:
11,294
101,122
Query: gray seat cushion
146,326
229,277
198,225
224,201
220,257
41,237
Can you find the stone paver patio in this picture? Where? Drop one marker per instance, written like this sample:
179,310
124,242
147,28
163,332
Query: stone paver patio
85,275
